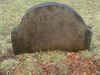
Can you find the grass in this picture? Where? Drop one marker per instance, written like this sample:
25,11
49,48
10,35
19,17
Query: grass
11,12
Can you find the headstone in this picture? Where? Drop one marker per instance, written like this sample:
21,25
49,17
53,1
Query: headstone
51,26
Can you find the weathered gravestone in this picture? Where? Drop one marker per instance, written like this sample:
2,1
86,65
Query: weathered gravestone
50,26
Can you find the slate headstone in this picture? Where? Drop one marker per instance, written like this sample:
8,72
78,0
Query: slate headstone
51,26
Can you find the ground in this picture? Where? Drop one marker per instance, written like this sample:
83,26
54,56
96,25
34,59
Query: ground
11,12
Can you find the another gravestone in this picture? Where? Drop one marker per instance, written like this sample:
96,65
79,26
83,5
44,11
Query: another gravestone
50,26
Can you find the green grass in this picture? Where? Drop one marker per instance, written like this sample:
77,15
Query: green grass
11,12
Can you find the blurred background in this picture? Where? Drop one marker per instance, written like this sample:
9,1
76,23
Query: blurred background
12,11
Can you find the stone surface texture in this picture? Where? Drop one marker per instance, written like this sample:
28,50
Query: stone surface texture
51,26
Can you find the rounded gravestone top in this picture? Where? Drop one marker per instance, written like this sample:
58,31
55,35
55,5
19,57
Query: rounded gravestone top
50,26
